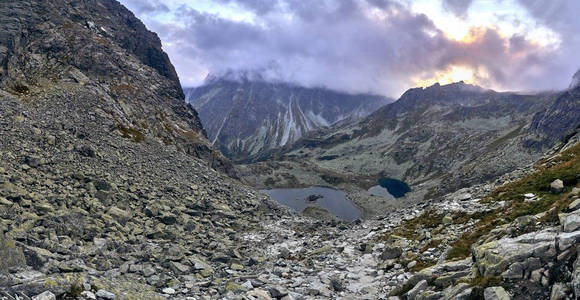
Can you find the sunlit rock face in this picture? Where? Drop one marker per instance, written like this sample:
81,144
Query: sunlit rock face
247,117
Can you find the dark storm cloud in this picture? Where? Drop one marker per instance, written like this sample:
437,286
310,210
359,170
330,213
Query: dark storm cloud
457,7
353,45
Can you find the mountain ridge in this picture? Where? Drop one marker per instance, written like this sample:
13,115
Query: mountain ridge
258,116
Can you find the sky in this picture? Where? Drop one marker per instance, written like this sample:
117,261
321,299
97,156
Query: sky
371,46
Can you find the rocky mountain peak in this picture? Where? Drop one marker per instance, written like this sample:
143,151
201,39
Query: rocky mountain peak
100,47
449,92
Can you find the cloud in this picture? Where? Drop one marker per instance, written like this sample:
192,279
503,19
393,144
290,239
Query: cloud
562,17
377,46
141,7
457,7
258,6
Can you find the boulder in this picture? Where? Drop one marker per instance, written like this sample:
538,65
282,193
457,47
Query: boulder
495,293
420,286
122,216
178,268
574,205
391,253
493,258
559,291
557,186
258,294
277,291
461,291
568,239
103,294
447,220
570,222
45,296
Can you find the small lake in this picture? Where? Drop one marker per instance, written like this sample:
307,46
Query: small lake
332,200
390,187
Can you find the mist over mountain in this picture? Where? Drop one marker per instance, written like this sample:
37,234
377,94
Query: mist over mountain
246,116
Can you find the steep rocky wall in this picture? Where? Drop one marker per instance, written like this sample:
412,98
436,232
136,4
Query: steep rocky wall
100,46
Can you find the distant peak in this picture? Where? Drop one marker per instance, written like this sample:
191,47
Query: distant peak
457,86
235,75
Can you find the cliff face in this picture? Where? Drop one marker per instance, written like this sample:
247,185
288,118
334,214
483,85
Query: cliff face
248,118
99,46
559,120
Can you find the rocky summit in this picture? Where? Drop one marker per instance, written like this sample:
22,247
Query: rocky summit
110,189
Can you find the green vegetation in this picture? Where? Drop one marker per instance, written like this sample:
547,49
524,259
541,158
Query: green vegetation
131,133
422,264
483,282
566,167
126,89
501,140
410,228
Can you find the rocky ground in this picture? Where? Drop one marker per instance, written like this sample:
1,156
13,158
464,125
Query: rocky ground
110,190
148,222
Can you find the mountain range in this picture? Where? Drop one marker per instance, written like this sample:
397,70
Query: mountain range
438,139
246,117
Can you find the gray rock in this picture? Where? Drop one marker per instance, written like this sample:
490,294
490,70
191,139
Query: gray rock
47,295
460,292
422,285
391,252
559,291
336,284
568,239
464,197
178,268
574,205
169,291
495,293
576,277
557,186
258,294
495,257
88,295
447,220
148,271
277,291
570,222
103,294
